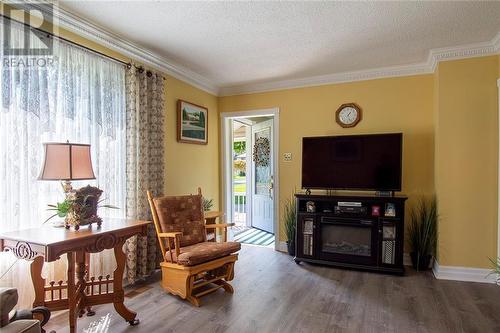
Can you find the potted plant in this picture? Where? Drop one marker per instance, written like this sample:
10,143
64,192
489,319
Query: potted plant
207,204
422,233
290,216
80,207
496,268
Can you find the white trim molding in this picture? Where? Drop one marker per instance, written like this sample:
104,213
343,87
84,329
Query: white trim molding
428,67
91,31
226,165
98,34
393,71
281,246
468,274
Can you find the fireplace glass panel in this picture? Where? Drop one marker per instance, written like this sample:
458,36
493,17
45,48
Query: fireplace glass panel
343,239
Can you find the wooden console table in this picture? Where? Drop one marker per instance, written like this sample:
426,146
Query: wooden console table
81,291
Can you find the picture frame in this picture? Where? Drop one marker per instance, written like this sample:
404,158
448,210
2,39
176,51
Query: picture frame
192,123
310,207
390,210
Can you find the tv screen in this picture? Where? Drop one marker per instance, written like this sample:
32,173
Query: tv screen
357,162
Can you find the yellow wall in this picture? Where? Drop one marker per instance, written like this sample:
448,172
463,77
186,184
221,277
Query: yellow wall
466,160
189,166
389,105
457,105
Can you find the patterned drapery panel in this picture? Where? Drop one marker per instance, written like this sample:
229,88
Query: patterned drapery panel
145,164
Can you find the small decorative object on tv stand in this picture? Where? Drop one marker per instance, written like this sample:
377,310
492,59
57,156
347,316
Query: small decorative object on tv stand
66,162
343,233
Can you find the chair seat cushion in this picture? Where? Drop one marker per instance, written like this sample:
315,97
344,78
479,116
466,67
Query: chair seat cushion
203,252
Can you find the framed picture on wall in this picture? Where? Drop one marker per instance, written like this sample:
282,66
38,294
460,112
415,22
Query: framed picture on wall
192,123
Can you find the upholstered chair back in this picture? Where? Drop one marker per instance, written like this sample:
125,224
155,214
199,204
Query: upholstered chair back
182,214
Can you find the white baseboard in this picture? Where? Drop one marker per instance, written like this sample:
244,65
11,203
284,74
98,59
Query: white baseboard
469,274
281,246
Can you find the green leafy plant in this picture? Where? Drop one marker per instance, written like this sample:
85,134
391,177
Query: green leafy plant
496,266
423,232
207,204
71,205
289,216
239,147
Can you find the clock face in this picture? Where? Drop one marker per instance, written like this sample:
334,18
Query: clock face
348,115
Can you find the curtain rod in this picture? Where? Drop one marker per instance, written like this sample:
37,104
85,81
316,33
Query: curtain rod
52,35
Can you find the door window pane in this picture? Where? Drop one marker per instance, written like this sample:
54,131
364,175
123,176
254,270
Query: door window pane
262,173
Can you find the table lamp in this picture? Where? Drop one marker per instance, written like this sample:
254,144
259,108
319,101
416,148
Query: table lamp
66,162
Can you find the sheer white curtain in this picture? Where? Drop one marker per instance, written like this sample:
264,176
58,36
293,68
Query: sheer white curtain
73,95
76,96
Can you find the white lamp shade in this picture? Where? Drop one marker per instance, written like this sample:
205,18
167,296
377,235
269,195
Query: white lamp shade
67,161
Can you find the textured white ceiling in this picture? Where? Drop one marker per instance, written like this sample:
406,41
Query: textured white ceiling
235,43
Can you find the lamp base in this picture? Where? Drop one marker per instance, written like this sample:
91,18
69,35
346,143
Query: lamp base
67,187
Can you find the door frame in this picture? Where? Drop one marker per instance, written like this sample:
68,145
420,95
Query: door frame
227,166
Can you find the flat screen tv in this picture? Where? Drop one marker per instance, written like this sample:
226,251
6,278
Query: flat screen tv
352,162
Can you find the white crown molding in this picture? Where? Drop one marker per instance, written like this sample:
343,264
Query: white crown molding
428,67
83,27
91,31
392,71
468,274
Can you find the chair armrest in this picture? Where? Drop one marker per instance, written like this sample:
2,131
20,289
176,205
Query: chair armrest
8,300
177,247
217,225
169,234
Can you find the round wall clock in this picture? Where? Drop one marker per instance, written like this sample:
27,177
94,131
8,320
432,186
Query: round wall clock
348,115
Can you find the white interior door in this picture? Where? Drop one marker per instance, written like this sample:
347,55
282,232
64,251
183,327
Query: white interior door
262,176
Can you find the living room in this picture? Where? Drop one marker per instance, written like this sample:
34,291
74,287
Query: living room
149,106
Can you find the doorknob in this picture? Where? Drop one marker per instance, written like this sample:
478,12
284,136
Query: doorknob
271,186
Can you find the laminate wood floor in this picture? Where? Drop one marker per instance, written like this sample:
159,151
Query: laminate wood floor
273,294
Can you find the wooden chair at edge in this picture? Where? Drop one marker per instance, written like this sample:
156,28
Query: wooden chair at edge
190,262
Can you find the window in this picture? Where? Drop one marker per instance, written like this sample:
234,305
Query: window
72,95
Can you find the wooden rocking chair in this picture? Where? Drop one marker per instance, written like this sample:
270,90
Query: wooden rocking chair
192,267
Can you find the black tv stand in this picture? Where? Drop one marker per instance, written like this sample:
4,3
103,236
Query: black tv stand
349,231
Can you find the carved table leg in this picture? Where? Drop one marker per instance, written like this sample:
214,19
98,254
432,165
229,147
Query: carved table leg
71,292
81,282
118,298
38,284
38,281
90,312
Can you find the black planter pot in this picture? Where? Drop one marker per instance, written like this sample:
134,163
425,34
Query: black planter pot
291,248
420,262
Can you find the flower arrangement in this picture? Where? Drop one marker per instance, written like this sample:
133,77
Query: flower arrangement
80,207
